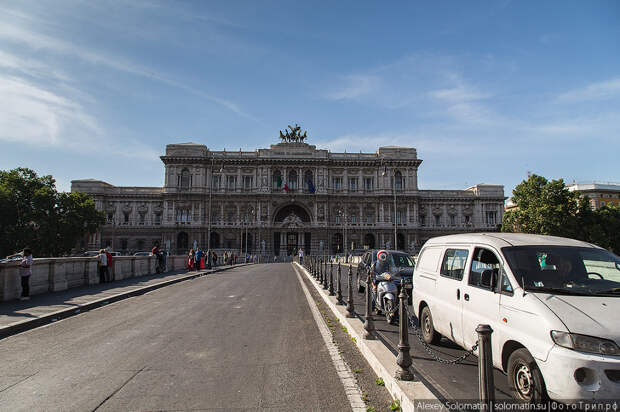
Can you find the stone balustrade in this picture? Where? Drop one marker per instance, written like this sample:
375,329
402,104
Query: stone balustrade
56,274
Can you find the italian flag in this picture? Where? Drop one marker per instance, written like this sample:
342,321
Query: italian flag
286,189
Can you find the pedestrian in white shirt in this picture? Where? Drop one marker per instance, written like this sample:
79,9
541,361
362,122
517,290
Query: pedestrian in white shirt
103,265
301,256
25,272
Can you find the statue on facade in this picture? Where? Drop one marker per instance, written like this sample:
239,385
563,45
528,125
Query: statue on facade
292,220
293,134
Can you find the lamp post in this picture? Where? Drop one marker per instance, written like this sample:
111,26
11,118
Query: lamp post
210,200
247,223
343,213
393,182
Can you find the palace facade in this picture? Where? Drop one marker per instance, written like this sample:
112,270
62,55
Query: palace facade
273,201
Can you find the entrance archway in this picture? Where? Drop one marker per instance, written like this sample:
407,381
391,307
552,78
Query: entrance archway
400,238
289,212
337,243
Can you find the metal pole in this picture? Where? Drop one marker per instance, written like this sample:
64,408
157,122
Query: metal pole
404,357
369,325
394,192
350,304
210,197
325,280
486,384
339,288
331,279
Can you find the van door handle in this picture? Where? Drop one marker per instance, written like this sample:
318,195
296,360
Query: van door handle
466,297
458,294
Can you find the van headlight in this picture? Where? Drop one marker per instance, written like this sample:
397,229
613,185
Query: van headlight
584,343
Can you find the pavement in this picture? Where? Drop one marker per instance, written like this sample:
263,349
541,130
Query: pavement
17,316
239,340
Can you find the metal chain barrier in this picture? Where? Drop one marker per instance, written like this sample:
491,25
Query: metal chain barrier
429,349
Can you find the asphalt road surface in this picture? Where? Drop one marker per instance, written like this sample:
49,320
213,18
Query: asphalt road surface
240,340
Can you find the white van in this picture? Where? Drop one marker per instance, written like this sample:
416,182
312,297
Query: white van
553,304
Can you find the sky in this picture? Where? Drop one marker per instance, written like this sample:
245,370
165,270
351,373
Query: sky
486,91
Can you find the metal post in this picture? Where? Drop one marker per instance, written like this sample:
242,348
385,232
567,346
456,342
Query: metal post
339,288
331,279
325,283
350,305
404,357
394,192
486,384
369,325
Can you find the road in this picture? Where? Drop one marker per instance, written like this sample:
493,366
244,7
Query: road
244,339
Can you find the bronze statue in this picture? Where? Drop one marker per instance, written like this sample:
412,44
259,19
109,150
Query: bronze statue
293,134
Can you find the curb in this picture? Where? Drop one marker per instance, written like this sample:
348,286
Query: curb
28,324
405,392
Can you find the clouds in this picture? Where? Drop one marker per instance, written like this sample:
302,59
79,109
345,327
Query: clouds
603,90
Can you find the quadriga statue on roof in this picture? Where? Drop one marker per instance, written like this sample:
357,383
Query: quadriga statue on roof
293,134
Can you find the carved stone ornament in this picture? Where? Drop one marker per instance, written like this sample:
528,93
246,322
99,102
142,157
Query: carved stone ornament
292,221
158,207
127,207
142,208
110,206
437,210
468,210
452,210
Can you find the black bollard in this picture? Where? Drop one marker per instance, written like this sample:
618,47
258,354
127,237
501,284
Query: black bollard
369,325
339,300
404,357
325,285
486,383
350,305
331,279
321,274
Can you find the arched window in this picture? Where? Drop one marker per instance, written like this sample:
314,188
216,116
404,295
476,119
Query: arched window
398,181
292,180
185,179
277,180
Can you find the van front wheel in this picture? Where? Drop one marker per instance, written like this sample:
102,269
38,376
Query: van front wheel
430,335
524,377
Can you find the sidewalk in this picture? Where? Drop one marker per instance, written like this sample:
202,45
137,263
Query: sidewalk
17,316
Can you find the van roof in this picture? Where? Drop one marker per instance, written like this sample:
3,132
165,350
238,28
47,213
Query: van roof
500,240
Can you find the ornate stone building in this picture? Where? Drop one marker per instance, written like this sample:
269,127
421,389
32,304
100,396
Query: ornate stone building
288,196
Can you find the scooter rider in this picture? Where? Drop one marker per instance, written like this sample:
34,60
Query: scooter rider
381,265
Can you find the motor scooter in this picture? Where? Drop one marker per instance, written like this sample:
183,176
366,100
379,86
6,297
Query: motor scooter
386,297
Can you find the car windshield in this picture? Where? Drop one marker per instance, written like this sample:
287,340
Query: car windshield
400,260
565,269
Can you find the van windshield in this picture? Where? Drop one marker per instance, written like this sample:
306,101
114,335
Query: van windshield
565,269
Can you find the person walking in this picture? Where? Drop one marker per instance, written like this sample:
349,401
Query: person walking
301,256
25,269
103,266
198,258
109,266
214,259
190,260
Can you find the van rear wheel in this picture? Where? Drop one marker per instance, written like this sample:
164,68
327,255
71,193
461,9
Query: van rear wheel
430,335
524,377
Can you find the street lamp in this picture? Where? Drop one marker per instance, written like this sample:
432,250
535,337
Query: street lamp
210,199
247,223
385,173
343,212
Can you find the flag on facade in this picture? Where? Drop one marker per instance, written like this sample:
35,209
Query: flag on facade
286,189
311,188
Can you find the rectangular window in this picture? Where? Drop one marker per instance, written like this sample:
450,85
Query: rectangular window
467,220
491,218
247,182
216,182
353,219
337,219
142,218
369,219
369,183
126,219
158,219
452,220
453,264
337,183
231,182
422,220
484,270
353,183
437,220
399,217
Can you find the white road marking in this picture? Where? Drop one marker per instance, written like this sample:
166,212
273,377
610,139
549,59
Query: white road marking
353,392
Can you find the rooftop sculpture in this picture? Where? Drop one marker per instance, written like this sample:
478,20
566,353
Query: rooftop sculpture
294,135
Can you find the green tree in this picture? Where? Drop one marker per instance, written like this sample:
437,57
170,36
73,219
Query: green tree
34,214
543,207
549,208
